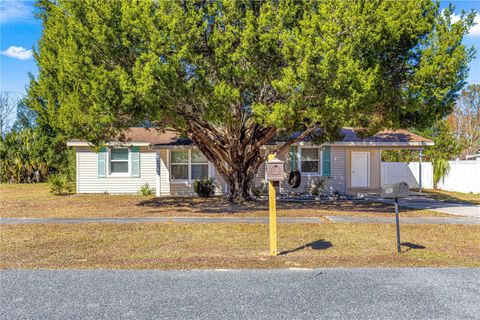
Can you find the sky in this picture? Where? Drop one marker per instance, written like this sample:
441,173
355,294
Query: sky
20,31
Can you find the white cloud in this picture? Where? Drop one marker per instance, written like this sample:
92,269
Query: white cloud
17,53
475,30
15,10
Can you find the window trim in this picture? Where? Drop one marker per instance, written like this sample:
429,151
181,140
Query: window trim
170,163
320,160
189,165
129,161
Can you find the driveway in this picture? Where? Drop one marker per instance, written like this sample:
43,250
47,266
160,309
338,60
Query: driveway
241,294
425,203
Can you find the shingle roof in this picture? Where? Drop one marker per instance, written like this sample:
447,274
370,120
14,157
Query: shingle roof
155,137
384,136
171,138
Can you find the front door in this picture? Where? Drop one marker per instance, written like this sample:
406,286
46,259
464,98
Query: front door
360,169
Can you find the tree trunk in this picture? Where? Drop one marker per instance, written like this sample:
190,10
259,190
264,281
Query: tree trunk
235,154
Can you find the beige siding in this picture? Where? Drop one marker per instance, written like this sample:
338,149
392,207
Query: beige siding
89,182
336,182
375,161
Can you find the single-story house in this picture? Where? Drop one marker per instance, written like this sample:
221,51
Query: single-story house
170,163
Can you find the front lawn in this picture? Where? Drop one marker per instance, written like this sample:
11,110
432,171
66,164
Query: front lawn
187,246
34,200
443,195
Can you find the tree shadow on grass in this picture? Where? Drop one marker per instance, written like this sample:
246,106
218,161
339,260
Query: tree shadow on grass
411,246
220,205
315,245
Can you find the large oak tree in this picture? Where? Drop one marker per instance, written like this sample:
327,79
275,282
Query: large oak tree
232,75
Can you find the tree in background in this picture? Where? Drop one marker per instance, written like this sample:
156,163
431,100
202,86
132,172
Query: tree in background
465,119
447,146
7,112
232,75
30,152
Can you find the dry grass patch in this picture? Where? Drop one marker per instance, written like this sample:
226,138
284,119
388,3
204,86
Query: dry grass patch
33,200
186,246
473,198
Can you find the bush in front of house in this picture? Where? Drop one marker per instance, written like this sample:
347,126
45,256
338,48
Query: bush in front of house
204,187
60,184
317,187
146,190
261,190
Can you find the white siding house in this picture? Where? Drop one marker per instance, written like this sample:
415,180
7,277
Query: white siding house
170,164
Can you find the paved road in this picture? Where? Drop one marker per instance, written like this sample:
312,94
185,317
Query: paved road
426,203
249,294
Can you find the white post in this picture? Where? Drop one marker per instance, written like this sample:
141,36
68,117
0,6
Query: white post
420,171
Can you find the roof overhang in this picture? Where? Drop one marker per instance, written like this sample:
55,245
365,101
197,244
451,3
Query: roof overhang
416,144
384,144
109,144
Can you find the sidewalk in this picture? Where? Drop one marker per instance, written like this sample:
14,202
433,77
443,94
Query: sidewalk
406,220
247,220
425,203
261,220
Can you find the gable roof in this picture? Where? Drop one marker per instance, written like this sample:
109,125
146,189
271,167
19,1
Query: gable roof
154,138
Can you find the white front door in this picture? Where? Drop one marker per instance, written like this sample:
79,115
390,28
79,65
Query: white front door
360,169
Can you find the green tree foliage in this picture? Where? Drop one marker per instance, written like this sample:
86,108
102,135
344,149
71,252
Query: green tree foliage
447,146
231,75
30,153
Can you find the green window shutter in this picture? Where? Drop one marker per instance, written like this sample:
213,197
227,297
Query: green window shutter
102,162
326,162
135,154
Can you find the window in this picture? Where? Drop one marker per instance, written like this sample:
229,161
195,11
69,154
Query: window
119,161
179,164
199,165
310,160
188,165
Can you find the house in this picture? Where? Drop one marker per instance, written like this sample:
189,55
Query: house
170,163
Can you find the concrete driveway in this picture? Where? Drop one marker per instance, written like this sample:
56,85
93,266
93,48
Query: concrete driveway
425,203
241,294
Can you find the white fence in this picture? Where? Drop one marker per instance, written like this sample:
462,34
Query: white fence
464,176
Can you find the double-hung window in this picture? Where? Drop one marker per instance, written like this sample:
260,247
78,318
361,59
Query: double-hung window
119,161
199,165
310,160
188,165
179,164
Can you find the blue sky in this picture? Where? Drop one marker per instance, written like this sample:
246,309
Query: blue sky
20,31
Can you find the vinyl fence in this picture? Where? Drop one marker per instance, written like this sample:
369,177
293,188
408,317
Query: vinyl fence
464,175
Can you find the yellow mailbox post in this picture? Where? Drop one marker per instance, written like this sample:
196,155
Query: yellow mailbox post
275,174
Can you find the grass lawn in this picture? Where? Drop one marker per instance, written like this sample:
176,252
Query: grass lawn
34,200
186,246
453,196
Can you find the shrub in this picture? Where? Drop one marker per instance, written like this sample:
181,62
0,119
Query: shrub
261,190
146,190
59,184
204,187
317,187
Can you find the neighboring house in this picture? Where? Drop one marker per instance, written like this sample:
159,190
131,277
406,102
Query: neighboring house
170,164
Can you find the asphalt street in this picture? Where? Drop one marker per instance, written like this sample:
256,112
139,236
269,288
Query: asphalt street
241,294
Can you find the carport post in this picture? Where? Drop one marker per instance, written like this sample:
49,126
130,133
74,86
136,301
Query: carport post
420,171
397,223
